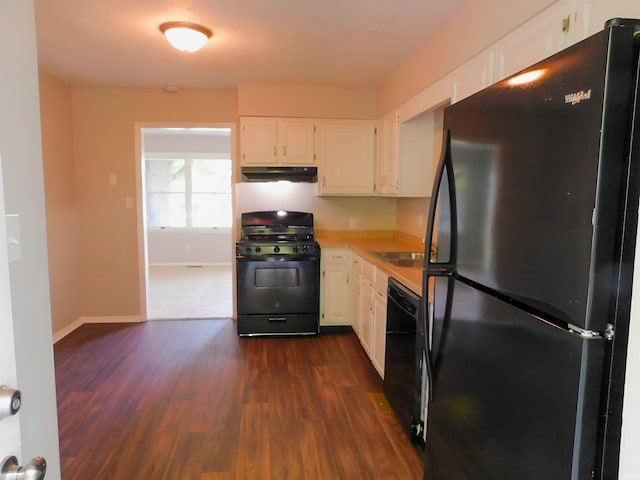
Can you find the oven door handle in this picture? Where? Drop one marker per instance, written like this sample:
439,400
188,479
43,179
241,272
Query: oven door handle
276,258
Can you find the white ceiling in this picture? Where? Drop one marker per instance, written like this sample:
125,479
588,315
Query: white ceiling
331,42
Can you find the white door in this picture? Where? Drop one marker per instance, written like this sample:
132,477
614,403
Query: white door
9,426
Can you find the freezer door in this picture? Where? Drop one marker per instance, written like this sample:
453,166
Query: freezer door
539,181
513,397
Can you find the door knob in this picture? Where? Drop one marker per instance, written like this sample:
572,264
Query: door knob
34,470
9,401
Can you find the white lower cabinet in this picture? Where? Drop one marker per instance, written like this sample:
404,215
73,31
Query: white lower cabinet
366,312
373,313
334,287
354,292
356,300
379,322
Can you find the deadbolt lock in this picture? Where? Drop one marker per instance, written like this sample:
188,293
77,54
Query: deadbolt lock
10,401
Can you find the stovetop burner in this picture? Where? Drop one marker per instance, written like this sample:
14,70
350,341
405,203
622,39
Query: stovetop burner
277,232
277,226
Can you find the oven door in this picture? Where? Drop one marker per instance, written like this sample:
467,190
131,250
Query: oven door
277,285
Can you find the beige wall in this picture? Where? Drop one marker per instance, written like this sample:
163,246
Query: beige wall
312,101
104,144
60,195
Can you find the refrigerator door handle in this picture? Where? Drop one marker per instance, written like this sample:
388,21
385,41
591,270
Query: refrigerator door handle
445,166
431,361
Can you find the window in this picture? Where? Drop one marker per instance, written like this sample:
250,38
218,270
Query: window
188,191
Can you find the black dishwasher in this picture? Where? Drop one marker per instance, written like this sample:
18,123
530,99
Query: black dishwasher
403,378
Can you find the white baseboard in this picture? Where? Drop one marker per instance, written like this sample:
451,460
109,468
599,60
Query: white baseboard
59,335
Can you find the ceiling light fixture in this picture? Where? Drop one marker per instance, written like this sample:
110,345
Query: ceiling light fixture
185,36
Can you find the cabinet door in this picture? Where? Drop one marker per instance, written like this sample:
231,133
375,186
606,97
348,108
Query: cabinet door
356,283
334,288
414,167
535,41
379,331
295,141
356,302
258,141
386,167
366,311
346,157
382,138
473,76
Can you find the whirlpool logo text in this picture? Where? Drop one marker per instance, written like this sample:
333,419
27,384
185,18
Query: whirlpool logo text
577,97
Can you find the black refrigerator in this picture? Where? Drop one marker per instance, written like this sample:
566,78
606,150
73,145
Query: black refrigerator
527,300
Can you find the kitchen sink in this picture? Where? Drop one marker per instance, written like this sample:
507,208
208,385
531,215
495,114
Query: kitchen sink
402,259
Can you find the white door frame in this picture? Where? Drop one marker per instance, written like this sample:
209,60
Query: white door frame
143,253
10,440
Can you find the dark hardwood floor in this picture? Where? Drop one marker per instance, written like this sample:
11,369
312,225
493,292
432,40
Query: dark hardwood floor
190,400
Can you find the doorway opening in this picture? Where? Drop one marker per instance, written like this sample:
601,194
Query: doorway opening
186,192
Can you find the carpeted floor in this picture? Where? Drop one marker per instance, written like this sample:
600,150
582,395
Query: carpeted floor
190,292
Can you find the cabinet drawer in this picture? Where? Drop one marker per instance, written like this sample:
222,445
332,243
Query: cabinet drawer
334,256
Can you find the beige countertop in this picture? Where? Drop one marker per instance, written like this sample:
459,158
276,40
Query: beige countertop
363,243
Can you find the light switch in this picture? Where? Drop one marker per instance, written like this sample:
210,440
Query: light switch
13,237
113,180
128,202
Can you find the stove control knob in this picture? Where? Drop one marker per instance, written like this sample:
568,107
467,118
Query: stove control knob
295,249
276,249
305,248
258,249
247,249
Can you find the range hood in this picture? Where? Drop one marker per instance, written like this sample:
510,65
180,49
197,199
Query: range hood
276,174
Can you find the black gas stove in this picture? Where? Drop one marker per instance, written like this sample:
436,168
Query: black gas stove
278,274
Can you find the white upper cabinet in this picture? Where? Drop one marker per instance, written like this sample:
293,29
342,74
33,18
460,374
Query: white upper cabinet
295,141
335,291
419,141
473,76
386,182
545,35
346,152
276,141
406,152
592,14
